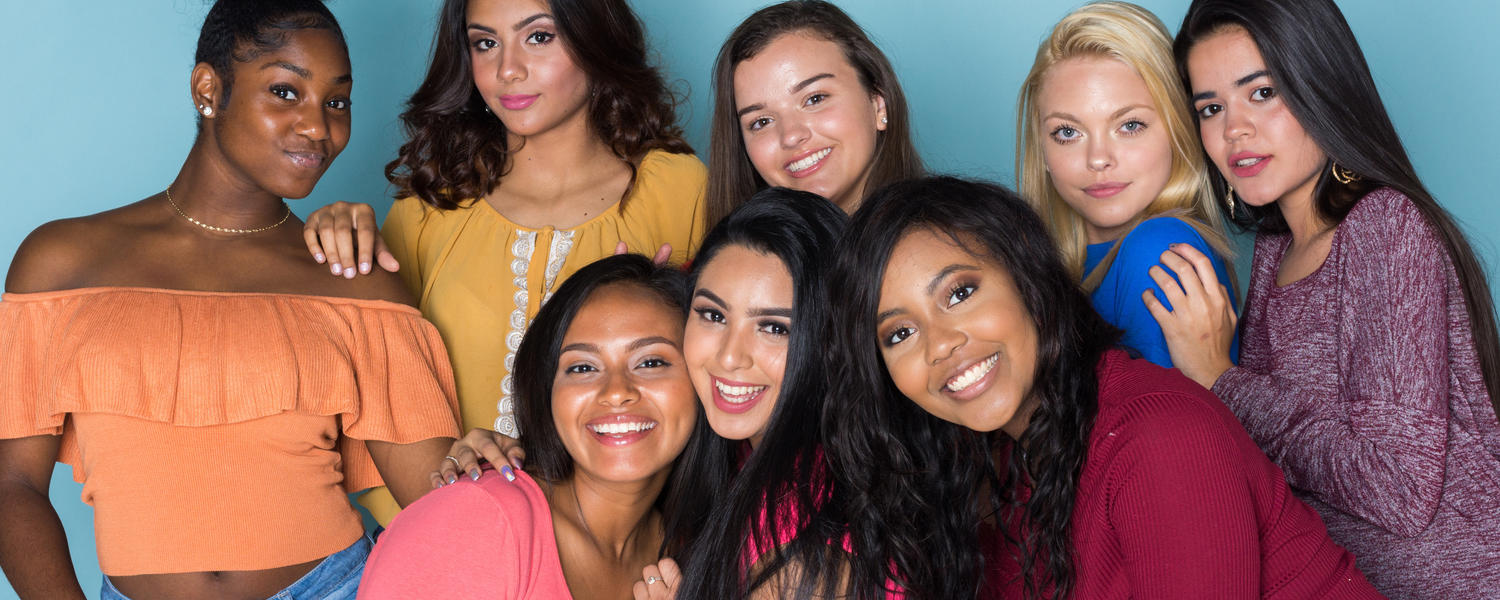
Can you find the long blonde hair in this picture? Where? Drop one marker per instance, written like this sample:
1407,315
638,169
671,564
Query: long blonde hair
1132,35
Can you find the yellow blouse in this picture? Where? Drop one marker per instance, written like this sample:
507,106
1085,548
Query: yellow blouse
481,278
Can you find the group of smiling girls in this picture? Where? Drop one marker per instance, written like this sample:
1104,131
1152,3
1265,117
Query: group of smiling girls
838,377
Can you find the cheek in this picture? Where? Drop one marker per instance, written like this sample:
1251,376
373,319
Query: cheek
762,151
907,373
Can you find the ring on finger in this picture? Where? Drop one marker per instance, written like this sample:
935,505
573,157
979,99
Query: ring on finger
650,579
455,462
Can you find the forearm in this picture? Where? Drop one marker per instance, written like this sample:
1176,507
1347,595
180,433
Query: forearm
33,545
1357,462
406,468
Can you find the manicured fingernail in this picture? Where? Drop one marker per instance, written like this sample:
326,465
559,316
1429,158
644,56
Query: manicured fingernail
452,478
319,257
364,267
474,474
349,273
508,473
337,268
517,462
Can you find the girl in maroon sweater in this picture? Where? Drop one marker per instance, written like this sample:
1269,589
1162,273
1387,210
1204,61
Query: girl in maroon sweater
979,386
1369,364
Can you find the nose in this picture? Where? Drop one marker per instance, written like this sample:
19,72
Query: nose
794,131
312,122
512,65
619,389
1101,153
1237,124
942,340
732,355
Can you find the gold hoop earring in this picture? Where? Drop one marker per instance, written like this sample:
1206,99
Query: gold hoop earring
1344,176
1229,197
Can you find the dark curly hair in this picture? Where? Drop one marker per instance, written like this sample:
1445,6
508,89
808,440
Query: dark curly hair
914,488
242,30
457,151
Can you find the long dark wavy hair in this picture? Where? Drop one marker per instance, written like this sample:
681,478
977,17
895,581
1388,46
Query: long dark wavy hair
913,488
731,177
457,151
784,479
1322,76
536,368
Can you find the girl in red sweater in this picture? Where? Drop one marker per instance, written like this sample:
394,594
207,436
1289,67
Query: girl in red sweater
979,386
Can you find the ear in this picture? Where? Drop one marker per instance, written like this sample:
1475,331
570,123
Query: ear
881,120
205,89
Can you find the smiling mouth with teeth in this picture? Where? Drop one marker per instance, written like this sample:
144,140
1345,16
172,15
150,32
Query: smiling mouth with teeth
807,163
622,428
738,394
1245,162
972,375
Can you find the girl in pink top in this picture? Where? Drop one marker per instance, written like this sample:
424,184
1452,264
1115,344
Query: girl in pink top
1370,365
607,406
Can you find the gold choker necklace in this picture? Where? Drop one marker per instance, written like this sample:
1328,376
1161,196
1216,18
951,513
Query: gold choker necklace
284,217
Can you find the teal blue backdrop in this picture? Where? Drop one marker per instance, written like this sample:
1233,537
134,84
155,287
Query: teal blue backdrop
97,113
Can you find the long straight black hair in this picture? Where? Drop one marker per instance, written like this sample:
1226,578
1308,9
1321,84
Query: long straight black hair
1322,76
536,369
913,489
784,480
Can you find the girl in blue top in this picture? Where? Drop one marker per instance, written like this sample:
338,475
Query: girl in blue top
1109,156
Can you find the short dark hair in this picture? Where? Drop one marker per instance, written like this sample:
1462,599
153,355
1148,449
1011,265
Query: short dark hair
911,482
456,151
241,30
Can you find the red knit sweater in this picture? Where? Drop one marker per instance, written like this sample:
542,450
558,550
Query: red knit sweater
1176,501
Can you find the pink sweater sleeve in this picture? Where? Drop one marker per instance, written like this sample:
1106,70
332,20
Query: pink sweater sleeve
1183,516
490,539
1376,448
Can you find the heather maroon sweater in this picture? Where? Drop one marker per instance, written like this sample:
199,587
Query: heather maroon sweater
1176,501
1361,381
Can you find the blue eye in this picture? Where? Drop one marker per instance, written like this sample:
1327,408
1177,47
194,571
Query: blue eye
1064,134
1132,127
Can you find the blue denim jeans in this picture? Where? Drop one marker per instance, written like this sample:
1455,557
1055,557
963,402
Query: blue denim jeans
336,578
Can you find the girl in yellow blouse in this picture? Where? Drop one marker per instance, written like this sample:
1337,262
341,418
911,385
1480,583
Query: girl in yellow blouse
539,141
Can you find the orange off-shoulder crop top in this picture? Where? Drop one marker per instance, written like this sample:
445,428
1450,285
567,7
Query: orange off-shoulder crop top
219,431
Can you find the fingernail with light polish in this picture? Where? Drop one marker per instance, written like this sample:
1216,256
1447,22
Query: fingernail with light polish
509,474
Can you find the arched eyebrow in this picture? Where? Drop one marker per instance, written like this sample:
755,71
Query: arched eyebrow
1239,83
301,72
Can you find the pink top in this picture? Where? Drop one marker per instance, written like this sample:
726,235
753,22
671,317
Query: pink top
1175,501
1362,382
473,539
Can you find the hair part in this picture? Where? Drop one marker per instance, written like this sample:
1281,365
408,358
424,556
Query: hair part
800,230
239,31
457,151
536,369
915,487
1132,35
731,176
1320,72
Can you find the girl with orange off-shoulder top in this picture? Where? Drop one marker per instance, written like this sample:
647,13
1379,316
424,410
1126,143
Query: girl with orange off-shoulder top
217,397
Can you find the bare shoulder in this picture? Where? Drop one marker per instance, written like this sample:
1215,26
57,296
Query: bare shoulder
61,254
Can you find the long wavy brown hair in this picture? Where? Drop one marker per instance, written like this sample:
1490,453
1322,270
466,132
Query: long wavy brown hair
731,177
456,150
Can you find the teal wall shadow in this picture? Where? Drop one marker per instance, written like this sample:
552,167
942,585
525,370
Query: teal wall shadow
96,112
